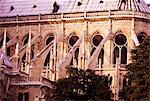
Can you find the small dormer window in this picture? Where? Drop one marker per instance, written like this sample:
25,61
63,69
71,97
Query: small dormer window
101,1
79,3
34,6
12,8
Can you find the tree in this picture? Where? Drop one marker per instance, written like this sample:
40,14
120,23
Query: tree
138,76
82,85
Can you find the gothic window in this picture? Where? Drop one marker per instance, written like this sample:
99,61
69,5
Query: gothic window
116,54
20,96
1,44
25,40
24,61
24,58
141,36
47,60
23,96
32,54
26,96
95,42
124,55
49,39
120,49
72,40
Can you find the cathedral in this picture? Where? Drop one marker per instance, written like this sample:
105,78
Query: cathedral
40,39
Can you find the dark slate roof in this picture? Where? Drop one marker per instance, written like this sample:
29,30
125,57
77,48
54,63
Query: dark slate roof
35,7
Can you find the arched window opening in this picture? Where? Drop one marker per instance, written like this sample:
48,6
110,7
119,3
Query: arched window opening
120,39
116,54
25,40
72,40
92,51
141,36
49,39
124,55
24,61
47,60
101,57
96,41
32,54
2,38
1,44
76,55
74,60
24,58
120,49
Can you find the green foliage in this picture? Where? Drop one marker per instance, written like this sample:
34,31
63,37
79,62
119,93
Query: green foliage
138,75
82,85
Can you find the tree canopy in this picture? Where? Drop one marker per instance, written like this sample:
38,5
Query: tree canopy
83,85
138,77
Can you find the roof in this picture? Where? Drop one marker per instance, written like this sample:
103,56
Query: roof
35,7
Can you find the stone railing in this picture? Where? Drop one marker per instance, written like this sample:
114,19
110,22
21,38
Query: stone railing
20,79
47,73
110,67
66,16
28,81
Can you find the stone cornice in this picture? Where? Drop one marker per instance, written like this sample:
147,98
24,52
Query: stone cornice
74,17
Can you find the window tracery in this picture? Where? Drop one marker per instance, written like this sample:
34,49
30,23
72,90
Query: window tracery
47,61
72,40
95,42
120,49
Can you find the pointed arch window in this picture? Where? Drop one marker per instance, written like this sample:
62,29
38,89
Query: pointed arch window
1,44
25,40
141,36
95,42
24,59
49,39
120,49
26,54
72,40
48,60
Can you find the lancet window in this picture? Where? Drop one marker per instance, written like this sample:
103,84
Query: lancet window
120,49
1,44
49,61
72,40
26,58
95,42
25,40
141,36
